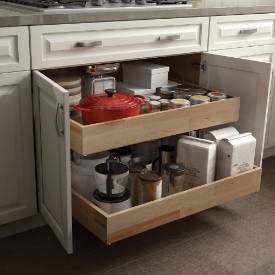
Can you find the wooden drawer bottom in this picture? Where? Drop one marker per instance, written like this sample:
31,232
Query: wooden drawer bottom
111,228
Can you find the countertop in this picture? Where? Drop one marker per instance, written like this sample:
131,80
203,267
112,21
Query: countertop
14,16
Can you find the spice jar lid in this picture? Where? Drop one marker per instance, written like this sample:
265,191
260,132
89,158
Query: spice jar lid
110,100
155,104
149,176
154,97
215,96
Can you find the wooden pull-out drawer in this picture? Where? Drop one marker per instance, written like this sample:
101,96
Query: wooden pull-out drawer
241,30
78,44
111,228
88,139
14,49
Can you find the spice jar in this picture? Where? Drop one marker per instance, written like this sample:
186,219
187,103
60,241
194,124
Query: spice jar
155,106
179,103
134,171
150,186
216,96
173,179
165,104
199,99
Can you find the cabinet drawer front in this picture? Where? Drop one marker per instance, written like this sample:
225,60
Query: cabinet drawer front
14,49
241,31
88,139
65,45
118,226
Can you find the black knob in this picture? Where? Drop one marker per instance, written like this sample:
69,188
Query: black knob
110,92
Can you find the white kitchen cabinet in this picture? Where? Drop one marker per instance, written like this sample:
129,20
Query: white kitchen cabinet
17,166
79,44
239,31
263,54
237,77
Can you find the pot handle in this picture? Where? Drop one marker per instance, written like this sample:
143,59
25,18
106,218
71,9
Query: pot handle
78,107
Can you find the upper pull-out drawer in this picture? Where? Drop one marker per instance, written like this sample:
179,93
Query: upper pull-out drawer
241,31
65,45
14,49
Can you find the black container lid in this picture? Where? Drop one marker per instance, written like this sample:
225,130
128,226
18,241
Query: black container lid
117,168
150,176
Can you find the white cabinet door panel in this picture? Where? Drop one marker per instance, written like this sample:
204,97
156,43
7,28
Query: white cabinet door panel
78,44
263,54
14,49
17,165
250,80
53,156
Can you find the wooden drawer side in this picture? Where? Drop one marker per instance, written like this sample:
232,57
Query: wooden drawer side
90,216
96,137
142,218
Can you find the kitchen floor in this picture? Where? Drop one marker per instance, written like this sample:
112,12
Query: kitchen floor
237,238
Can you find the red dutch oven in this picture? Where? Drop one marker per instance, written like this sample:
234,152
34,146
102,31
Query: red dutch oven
108,106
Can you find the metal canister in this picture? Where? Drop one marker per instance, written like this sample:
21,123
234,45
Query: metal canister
216,96
179,103
199,99
87,82
150,186
156,105
135,169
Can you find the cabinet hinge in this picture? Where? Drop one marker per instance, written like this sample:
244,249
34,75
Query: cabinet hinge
201,66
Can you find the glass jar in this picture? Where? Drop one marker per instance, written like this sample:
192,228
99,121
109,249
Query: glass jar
179,103
155,105
216,96
173,179
165,104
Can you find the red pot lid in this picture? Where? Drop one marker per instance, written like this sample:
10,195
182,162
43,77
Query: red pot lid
110,100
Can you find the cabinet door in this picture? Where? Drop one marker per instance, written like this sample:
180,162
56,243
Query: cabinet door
250,80
264,54
53,156
17,166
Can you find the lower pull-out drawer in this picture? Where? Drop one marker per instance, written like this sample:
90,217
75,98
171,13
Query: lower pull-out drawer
111,228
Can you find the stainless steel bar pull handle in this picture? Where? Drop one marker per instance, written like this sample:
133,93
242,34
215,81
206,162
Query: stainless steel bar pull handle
59,120
248,31
88,44
169,37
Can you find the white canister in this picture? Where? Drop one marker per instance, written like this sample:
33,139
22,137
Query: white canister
112,205
235,155
218,135
199,159
83,180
